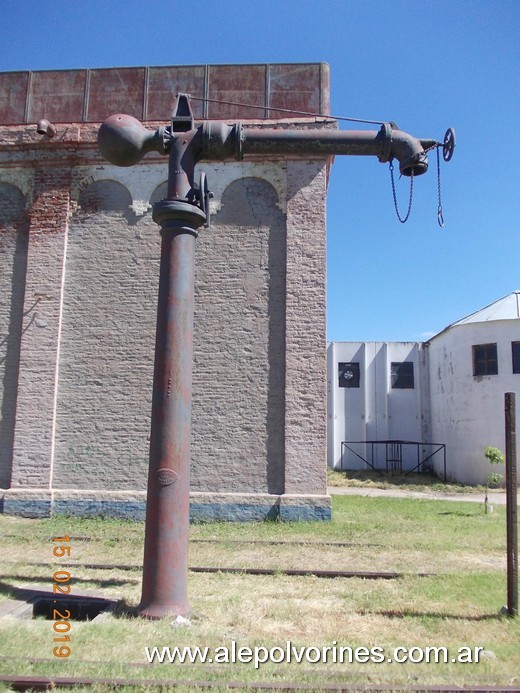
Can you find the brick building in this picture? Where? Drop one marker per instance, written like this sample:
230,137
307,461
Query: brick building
79,263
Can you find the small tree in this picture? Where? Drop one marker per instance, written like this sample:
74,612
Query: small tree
494,456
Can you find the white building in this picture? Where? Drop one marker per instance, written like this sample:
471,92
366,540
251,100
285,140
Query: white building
472,363
395,405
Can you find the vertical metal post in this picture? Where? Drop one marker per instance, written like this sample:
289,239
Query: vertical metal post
164,589
511,505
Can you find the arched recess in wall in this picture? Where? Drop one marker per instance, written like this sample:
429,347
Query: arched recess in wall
159,193
107,343
239,344
13,264
107,196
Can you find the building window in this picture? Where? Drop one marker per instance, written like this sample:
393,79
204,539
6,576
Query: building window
401,373
515,347
485,360
348,374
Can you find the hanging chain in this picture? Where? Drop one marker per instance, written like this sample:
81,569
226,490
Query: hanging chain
440,217
401,219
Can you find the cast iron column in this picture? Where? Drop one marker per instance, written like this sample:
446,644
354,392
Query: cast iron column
123,141
167,506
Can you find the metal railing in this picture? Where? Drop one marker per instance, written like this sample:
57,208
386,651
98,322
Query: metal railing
393,459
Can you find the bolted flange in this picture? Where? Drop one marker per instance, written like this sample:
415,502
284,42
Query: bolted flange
178,216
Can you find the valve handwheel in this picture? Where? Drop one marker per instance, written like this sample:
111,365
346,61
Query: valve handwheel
449,144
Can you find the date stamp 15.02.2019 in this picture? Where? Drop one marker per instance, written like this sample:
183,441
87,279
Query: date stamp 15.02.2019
61,585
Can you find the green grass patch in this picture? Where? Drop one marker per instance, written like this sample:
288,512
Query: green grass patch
427,483
461,547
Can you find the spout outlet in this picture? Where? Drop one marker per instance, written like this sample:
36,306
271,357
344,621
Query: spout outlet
408,150
44,127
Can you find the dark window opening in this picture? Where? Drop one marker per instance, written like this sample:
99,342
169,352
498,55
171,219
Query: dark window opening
401,373
348,374
485,361
515,347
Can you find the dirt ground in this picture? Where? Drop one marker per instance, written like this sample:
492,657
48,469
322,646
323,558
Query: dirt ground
495,497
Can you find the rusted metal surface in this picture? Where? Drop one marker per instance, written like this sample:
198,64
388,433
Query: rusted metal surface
148,93
44,127
293,89
116,90
14,89
57,96
222,141
246,83
167,508
123,140
386,144
164,83
290,572
362,574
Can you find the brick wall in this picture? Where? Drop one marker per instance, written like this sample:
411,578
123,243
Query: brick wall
78,312
107,343
39,350
238,432
13,261
258,402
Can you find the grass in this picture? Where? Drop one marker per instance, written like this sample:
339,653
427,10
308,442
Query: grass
427,483
458,605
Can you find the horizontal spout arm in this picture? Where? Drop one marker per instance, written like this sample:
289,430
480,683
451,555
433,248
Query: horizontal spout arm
123,141
223,141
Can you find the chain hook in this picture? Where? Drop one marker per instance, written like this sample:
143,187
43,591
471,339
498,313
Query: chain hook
403,220
440,216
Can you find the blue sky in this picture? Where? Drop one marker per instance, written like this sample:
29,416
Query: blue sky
426,65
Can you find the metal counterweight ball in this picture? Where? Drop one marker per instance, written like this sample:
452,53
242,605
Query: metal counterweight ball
123,140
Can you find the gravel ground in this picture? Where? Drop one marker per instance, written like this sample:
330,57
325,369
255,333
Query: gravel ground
495,497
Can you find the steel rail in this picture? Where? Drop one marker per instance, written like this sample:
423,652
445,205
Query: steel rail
42,683
266,542
291,572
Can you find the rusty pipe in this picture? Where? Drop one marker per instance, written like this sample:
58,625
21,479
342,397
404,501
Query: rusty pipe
221,141
123,141
386,144
167,508
44,127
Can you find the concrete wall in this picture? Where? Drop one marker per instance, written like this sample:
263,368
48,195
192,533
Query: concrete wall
375,411
468,410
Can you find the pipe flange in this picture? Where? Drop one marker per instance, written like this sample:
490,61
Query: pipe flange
240,137
386,143
178,216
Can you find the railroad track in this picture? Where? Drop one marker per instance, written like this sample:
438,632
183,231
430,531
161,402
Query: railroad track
43,683
293,572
